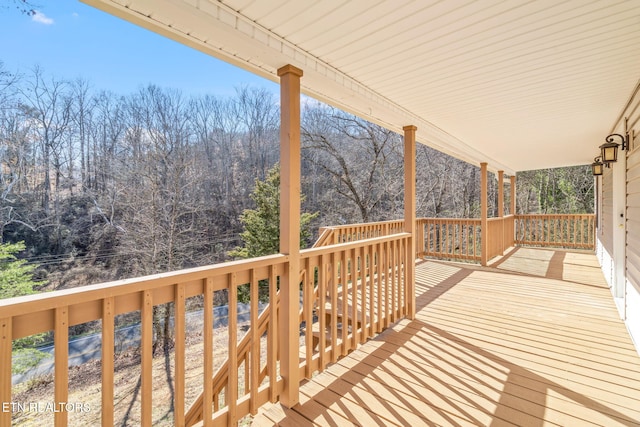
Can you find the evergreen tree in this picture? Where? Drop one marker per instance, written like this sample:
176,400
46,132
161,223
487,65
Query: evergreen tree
261,235
16,279
15,275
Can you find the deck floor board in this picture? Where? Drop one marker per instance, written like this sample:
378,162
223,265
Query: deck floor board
534,340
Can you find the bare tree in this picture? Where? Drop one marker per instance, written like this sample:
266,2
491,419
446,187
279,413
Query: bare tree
217,127
81,119
47,104
258,112
359,159
23,6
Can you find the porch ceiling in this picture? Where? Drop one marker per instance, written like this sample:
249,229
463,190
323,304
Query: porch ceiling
507,82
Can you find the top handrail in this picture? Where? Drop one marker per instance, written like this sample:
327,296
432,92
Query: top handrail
459,238
49,300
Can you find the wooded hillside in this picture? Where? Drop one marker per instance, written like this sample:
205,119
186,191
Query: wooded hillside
102,185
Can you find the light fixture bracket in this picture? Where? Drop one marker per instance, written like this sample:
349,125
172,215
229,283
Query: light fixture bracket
623,138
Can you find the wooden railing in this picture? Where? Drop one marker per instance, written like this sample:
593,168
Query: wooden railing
500,234
564,231
355,291
448,238
460,238
59,310
349,293
333,235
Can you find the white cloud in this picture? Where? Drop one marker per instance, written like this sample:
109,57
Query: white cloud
41,18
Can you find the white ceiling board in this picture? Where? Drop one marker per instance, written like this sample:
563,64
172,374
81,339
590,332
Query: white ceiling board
505,82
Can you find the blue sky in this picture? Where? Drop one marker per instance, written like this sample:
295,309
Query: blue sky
69,39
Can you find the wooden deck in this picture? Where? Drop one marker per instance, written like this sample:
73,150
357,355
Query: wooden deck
535,340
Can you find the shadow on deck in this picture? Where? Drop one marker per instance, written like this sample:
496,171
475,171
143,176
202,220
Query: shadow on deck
532,340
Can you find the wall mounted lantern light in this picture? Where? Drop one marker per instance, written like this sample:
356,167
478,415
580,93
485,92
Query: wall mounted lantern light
597,167
609,149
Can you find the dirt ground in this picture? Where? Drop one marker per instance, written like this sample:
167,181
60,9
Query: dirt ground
85,387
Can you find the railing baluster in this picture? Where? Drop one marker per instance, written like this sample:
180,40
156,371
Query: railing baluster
401,279
6,341
254,367
147,358
378,299
362,290
108,317
307,288
470,239
335,265
371,282
180,327
232,384
246,360
322,300
398,275
61,363
207,394
394,281
344,277
387,284
473,240
354,298
272,335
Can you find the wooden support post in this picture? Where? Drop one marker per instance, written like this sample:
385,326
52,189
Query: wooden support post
512,208
503,244
500,194
410,216
290,230
484,241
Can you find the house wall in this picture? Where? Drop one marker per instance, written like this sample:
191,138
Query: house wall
632,264
615,194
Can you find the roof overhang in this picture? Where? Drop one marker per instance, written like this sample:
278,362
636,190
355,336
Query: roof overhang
518,84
